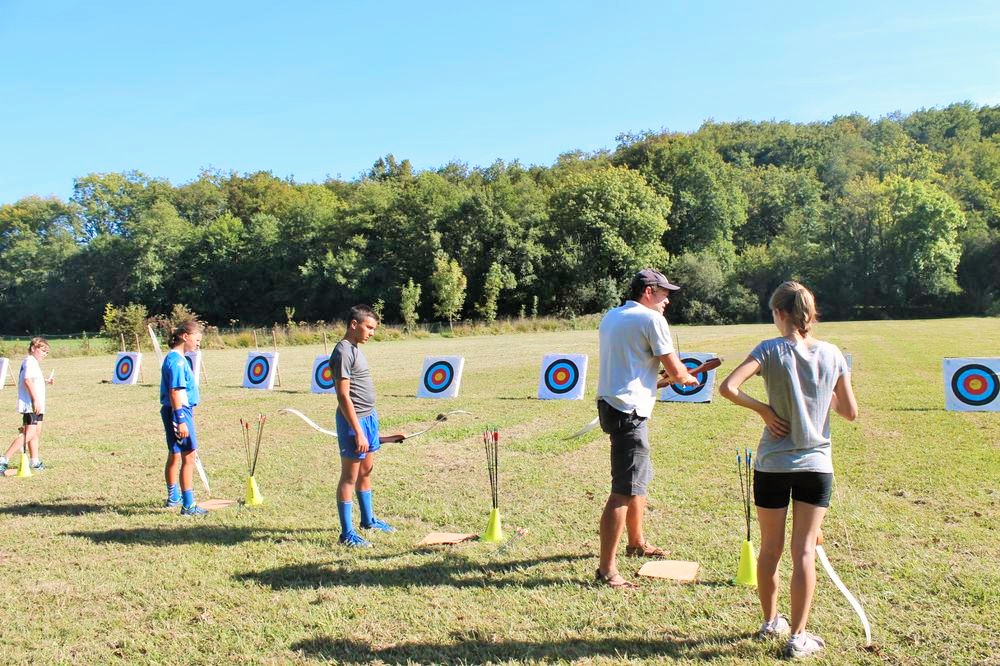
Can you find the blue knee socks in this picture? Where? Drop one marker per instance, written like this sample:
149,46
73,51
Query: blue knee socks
173,492
365,504
188,498
345,510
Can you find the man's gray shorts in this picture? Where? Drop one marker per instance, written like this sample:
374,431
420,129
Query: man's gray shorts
631,468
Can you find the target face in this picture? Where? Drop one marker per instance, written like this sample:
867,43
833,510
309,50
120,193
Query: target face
322,376
126,368
4,369
563,377
702,392
194,362
972,384
441,377
260,370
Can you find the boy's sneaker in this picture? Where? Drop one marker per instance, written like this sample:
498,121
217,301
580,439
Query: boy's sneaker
354,540
774,628
378,524
803,645
193,510
38,466
171,503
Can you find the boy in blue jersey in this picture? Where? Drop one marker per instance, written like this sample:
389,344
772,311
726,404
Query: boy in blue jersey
178,397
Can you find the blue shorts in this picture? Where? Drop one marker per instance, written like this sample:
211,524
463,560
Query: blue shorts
174,443
345,436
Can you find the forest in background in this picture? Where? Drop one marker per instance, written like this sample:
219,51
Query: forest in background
894,217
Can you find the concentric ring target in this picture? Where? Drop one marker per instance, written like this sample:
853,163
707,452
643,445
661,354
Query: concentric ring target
124,368
702,377
975,385
439,376
258,369
561,376
324,376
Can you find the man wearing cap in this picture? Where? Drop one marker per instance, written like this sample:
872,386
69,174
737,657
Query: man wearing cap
634,341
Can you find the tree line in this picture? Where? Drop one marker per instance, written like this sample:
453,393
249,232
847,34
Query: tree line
894,217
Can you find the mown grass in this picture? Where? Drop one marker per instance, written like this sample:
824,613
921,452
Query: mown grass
96,573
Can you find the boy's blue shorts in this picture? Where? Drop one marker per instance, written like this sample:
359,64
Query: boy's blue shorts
174,443
345,436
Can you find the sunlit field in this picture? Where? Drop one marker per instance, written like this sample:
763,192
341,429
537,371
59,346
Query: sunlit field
96,572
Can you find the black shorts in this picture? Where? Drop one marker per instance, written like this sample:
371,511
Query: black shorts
771,490
631,468
31,419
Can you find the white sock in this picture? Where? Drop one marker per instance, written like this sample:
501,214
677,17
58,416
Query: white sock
3,460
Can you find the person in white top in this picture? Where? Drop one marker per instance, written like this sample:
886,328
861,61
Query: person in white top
30,403
634,341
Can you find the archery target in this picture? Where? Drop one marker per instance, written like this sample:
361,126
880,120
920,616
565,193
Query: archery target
700,393
564,377
126,368
441,377
322,376
972,384
260,370
4,369
194,362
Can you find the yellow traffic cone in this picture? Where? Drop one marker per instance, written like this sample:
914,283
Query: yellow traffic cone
253,493
25,469
494,530
747,572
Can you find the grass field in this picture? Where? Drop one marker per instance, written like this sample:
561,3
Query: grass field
97,573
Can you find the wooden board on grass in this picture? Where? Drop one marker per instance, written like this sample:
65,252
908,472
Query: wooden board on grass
216,504
678,570
445,538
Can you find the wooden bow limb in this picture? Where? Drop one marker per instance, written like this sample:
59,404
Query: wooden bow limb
585,429
441,418
855,604
309,421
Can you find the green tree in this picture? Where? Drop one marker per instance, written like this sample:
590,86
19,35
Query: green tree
497,278
449,284
409,302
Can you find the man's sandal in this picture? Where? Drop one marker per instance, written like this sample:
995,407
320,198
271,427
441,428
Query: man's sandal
646,550
614,581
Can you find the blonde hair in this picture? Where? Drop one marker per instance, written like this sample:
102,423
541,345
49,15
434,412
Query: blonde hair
798,302
37,342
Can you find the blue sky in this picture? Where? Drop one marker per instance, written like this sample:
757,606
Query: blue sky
310,90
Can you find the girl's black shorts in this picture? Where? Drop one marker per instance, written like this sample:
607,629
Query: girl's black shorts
771,490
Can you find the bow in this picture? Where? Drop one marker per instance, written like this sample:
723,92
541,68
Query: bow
309,421
384,439
585,429
855,604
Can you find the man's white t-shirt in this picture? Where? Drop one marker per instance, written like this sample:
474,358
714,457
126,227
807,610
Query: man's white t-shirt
632,338
31,370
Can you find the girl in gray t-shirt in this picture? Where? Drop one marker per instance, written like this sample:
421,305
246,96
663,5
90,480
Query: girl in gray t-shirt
805,378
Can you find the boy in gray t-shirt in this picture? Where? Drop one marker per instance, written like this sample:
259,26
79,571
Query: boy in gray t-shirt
357,427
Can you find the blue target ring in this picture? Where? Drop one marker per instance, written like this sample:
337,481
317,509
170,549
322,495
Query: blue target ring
702,377
561,376
438,376
124,368
324,376
258,369
975,385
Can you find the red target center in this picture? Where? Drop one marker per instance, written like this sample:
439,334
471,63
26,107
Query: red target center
327,374
975,385
438,376
257,371
561,376
125,368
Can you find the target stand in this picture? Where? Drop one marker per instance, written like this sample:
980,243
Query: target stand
194,362
260,370
702,392
563,377
127,366
441,377
972,384
322,376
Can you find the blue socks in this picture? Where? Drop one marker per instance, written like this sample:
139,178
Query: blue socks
365,504
173,493
188,499
345,510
